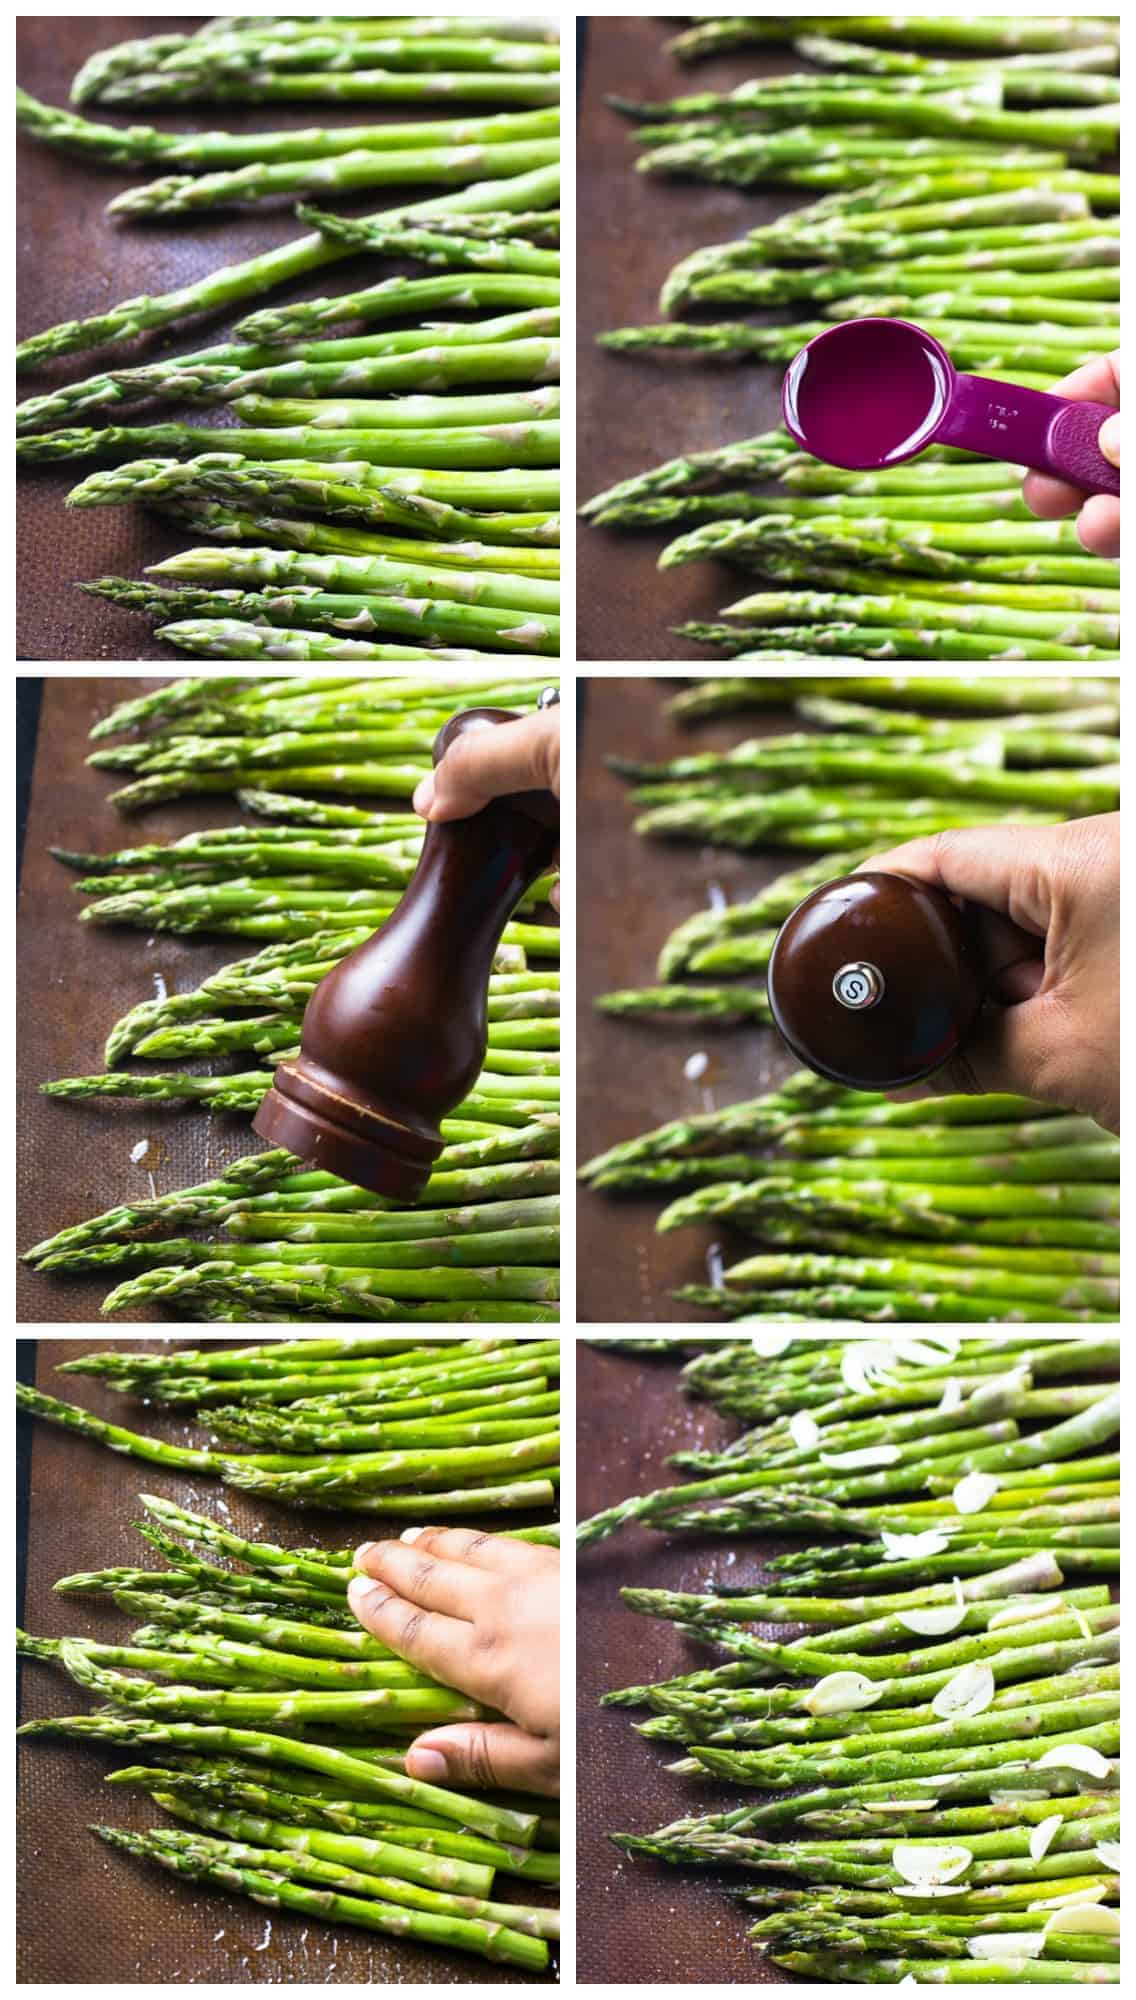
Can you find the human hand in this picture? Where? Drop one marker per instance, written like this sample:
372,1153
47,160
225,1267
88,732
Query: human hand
487,762
481,1613
1059,1038
1098,517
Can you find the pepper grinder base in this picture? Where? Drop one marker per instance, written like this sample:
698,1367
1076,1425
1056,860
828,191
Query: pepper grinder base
338,1135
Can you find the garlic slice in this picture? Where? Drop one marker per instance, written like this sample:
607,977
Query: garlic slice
938,1618
854,1461
899,1805
929,1350
900,1548
1041,1838
1088,1919
1075,1757
838,1693
975,1492
1029,1609
969,1692
865,1365
768,1343
1008,1945
932,1624
804,1431
930,1867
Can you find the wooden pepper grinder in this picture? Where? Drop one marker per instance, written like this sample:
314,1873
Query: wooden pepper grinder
395,1037
876,980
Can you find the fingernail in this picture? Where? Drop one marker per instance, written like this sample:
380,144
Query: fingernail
411,1534
359,1559
429,1765
424,795
1108,439
364,1595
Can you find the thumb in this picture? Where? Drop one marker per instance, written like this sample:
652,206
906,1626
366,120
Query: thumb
1006,868
493,1756
488,763
1108,438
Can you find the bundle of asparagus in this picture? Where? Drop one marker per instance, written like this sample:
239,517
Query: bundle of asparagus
309,879
948,1209
942,1814
366,1421
966,196
279,1750
444,432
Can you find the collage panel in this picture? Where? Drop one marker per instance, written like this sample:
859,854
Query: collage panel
289,1657
305,1051
849,278
849,1027
289,389
861,1596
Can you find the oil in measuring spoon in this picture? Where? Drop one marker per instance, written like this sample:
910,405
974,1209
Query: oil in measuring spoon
869,394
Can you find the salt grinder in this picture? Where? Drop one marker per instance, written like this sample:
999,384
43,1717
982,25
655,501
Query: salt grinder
395,1037
876,980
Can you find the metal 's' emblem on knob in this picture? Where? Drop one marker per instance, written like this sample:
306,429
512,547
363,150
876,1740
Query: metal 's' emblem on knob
858,985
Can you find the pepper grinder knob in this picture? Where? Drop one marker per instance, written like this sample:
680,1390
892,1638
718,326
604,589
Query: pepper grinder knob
877,980
395,1036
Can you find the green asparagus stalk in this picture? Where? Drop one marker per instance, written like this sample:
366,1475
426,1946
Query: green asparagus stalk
341,173
501,253
215,152
992,34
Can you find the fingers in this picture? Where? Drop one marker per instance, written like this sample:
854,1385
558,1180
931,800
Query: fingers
486,1552
1006,868
427,1600
426,1581
428,1639
485,764
1098,526
1096,381
492,1756
1049,498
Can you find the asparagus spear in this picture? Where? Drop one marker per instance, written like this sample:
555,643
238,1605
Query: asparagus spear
986,34
508,627
230,638
356,86
214,152
340,173
347,572
499,253
322,538
248,52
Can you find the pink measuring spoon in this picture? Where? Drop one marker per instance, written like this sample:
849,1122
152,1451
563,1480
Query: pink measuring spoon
873,392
